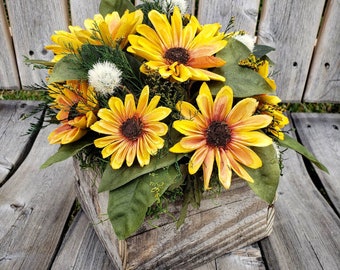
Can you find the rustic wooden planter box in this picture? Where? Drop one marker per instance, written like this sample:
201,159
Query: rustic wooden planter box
231,220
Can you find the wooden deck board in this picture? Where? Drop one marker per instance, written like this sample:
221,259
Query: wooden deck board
12,130
34,207
306,233
321,134
81,248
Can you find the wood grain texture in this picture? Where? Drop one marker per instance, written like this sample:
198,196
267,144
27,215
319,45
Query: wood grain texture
32,24
244,11
321,134
83,9
12,130
233,219
324,77
34,207
81,248
9,78
291,28
306,232
247,258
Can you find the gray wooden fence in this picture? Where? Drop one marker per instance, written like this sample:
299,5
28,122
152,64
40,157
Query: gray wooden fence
305,33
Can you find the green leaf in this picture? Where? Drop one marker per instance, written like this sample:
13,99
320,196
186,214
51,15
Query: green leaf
128,204
113,179
266,178
108,6
291,143
68,68
244,81
261,50
68,150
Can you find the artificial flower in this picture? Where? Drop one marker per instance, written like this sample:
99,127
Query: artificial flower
77,105
104,77
131,131
177,52
111,30
269,105
219,132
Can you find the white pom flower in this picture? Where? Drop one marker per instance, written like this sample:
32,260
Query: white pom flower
168,5
104,77
247,40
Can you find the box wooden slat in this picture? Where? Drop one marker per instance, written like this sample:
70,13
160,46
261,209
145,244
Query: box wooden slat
223,223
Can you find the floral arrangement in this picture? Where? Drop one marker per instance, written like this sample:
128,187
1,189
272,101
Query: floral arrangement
164,108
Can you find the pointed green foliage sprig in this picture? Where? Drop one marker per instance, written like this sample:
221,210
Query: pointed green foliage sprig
293,144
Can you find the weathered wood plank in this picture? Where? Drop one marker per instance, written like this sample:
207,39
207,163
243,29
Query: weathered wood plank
83,9
306,233
324,77
245,258
81,248
321,133
9,78
34,207
32,23
12,129
244,11
291,27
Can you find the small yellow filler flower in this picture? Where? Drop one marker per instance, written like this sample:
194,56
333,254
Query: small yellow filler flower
222,133
269,105
177,52
131,131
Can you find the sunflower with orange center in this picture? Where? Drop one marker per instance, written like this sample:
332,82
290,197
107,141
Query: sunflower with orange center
131,131
110,31
178,52
77,105
219,132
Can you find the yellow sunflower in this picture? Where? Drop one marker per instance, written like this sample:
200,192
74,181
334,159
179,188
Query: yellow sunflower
177,52
222,133
131,131
269,105
111,30
77,105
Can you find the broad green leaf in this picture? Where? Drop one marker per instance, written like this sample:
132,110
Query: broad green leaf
291,143
261,50
113,179
266,178
66,151
128,204
108,6
68,68
244,81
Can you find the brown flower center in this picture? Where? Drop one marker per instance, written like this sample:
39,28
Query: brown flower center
218,134
178,54
132,128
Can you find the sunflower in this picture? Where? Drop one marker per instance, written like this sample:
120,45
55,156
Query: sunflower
222,133
77,105
110,31
131,131
177,52
269,105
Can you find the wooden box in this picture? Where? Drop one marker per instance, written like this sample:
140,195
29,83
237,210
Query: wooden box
231,220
